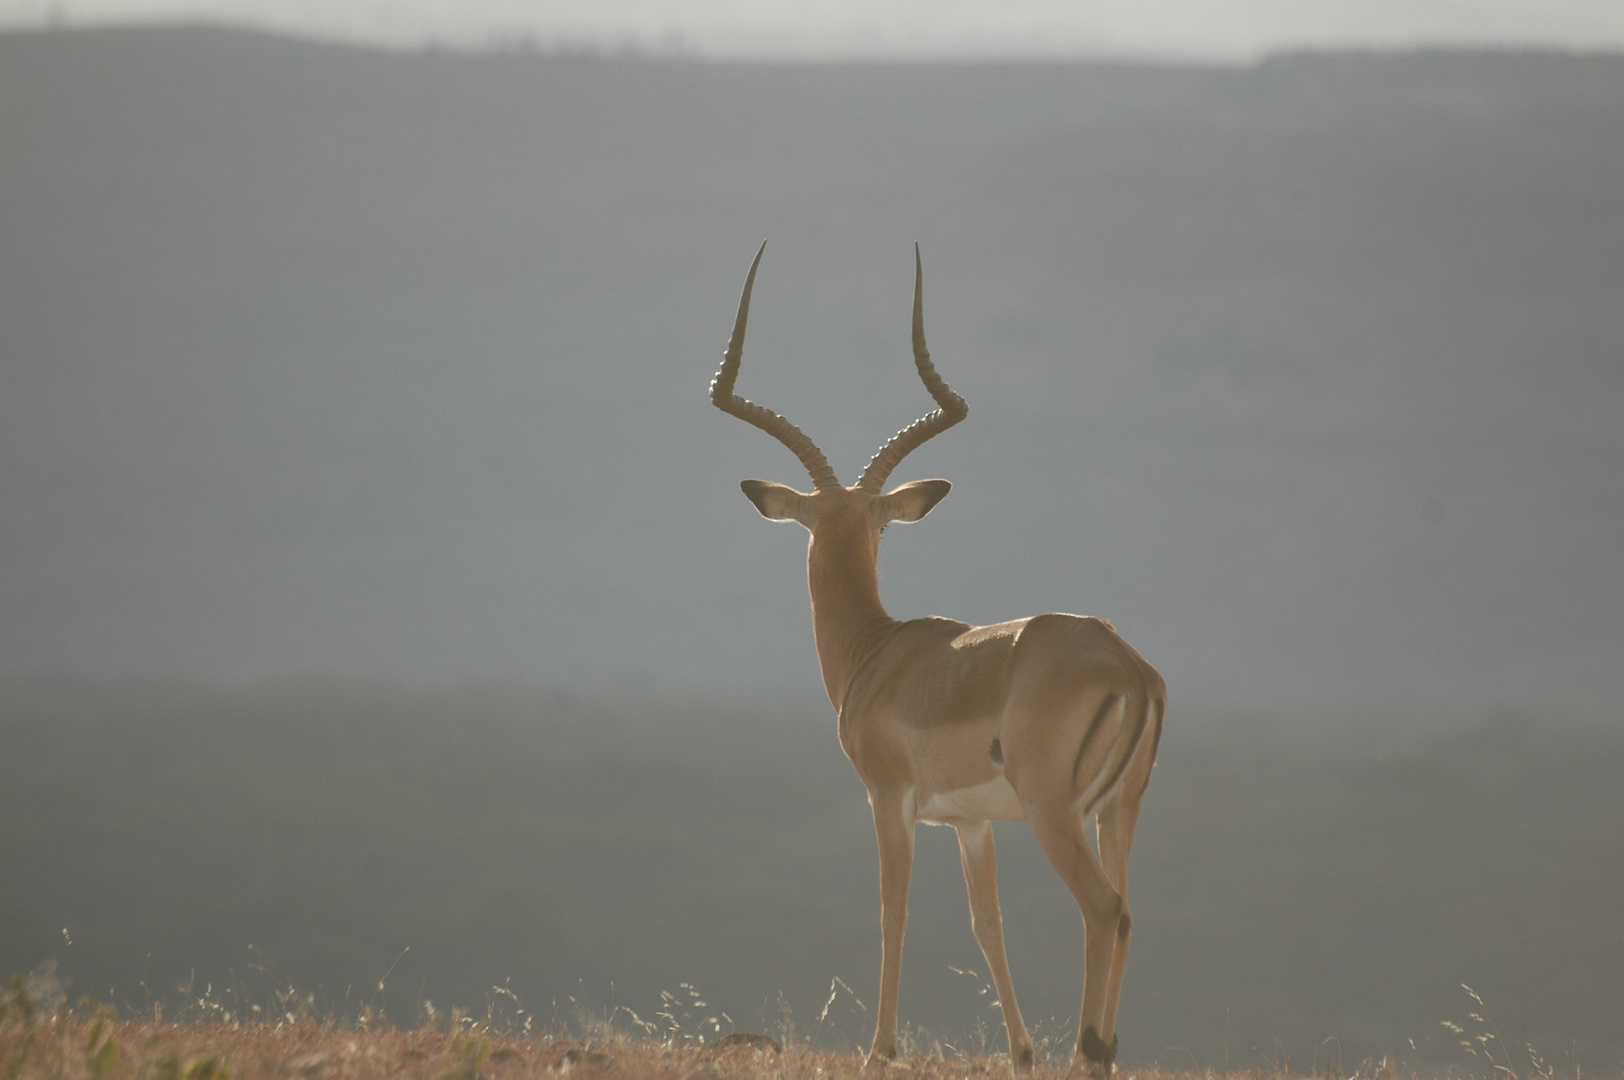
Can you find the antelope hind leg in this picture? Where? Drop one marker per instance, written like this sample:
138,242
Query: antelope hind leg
1065,843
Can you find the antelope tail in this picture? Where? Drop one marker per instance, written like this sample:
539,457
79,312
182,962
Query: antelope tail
1134,719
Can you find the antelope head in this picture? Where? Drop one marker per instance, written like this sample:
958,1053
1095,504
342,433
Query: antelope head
853,516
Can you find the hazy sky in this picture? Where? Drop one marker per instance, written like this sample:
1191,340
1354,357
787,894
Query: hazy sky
1201,29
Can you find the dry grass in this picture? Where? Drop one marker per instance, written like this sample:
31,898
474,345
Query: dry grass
41,1036
73,1046
92,1042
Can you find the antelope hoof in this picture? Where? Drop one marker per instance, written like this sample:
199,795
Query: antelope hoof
1022,1058
1095,1059
876,1061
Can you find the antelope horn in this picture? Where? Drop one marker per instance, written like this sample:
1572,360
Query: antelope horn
952,410
723,397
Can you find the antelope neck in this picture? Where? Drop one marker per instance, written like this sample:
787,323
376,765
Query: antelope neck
848,620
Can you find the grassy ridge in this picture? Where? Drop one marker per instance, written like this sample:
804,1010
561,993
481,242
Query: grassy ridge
1289,887
93,1042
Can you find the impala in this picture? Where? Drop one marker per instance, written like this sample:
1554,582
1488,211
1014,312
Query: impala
1052,719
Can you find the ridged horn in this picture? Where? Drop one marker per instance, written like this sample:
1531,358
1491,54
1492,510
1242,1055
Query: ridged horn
723,397
952,407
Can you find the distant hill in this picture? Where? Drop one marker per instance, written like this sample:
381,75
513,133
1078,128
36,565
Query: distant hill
1307,375
1298,896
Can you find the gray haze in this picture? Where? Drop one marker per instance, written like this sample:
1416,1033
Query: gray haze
1308,376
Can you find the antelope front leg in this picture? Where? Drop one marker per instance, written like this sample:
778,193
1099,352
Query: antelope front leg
980,863
896,838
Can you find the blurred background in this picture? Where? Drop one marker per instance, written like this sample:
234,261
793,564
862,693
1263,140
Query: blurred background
374,576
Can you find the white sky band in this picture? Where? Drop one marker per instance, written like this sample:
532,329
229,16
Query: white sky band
1236,31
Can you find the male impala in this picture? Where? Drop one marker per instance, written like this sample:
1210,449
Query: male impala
1052,719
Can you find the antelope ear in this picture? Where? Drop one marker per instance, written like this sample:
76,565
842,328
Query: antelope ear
775,501
910,502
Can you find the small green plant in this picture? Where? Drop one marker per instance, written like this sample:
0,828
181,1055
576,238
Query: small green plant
172,1067
18,1005
469,1051
101,1047
17,1010
208,1067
